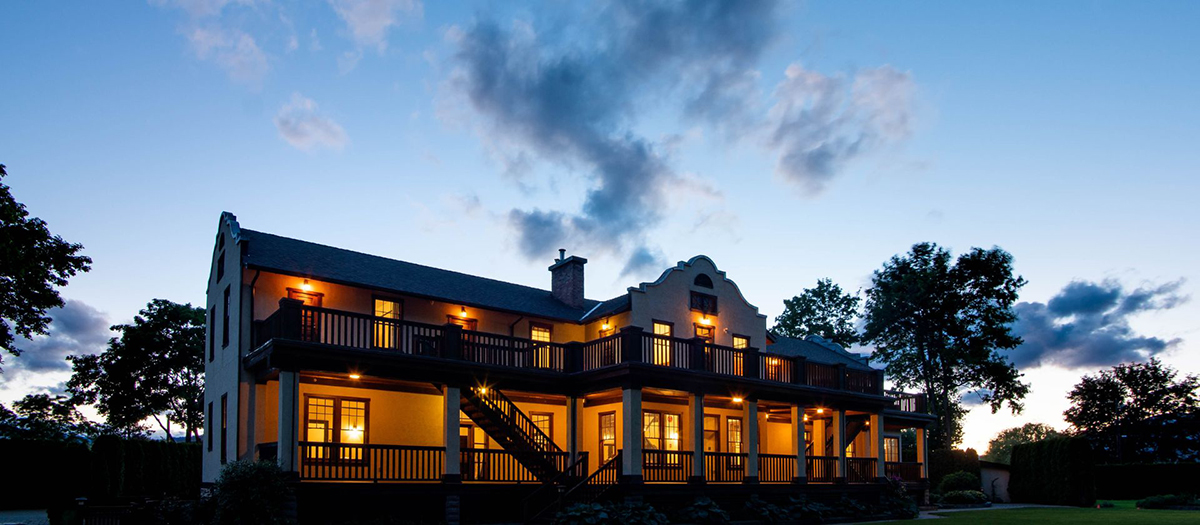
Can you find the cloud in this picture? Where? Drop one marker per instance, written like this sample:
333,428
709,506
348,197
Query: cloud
369,20
233,50
575,103
76,328
202,8
822,122
643,260
1087,325
302,126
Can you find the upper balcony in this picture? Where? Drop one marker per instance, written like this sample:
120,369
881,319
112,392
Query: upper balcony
297,322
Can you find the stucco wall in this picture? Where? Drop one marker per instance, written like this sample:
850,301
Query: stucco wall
223,372
995,483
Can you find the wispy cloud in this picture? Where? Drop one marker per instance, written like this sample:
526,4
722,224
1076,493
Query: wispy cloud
1087,325
369,20
302,125
822,122
233,50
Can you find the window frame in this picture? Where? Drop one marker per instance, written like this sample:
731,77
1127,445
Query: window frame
891,439
711,328
209,431
716,431
376,325
467,323
220,266
692,303
600,435
335,431
549,430
542,326
212,333
224,428
736,337
225,318
741,434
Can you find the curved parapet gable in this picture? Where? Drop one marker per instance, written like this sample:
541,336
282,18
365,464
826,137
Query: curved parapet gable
682,266
670,300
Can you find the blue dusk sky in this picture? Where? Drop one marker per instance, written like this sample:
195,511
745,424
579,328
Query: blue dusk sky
788,141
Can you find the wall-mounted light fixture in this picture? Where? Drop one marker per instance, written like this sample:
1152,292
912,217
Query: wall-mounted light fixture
462,312
806,417
305,286
704,320
820,410
355,376
737,400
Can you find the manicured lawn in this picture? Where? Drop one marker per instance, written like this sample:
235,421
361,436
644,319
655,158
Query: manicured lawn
1123,512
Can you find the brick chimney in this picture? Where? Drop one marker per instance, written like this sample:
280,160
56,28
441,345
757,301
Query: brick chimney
566,279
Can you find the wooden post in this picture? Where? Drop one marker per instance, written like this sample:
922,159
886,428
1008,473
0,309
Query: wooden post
696,412
631,351
839,443
289,427
572,427
631,433
880,455
750,363
799,370
452,339
750,418
696,355
921,453
798,445
451,405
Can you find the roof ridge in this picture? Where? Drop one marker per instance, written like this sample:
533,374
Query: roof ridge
293,239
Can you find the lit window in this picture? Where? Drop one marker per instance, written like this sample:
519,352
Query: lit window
542,353
544,421
387,332
335,420
319,428
712,433
353,427
608,435
891,449
703,302
741,342
733,431
661,432
662,344
539,333
706,333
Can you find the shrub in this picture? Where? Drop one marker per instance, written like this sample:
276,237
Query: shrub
964,497
809,511
1056,471
945,462
960,480
609,514
850,507
897,502
1167,501
38,474
1142,480
254,492
704,511
766,511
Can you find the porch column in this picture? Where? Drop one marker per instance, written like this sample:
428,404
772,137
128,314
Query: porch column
289,410
696,412
839,444
801,474
880,455
631,434
750,417
921,453
452,404
572,427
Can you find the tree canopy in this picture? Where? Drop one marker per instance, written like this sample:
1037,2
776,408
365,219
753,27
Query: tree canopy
823,310
154,370
1138,411
46,417
941,326
1000,447
33,263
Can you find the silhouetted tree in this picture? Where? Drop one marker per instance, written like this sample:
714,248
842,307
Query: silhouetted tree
1137,408
1000,447
46,417
33,262
823,310
941,327
154,370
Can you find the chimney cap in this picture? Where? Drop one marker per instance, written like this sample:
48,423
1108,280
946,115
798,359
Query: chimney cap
562,254
574,259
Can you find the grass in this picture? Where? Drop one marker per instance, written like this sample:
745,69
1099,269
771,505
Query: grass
1122,512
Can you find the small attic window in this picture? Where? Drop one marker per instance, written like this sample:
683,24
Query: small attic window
220,242
703,280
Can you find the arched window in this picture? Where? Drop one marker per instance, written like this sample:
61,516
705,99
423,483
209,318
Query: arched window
703,280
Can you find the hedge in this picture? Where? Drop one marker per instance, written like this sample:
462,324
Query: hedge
945,462
1056,471
1142,480
41,473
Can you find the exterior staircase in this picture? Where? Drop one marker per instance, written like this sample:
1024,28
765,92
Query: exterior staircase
513,430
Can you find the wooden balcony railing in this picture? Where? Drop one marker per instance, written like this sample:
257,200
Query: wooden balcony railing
666,465
496,465
821,469
907,471
724,467
298,322
342,461
861,470
776,468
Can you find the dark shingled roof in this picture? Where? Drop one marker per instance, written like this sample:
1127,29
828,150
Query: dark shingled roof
272,252
816,352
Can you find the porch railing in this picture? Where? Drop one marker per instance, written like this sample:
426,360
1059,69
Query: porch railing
666,465
480,464
861,470
342,461
295,321
907,471
821,469
776,468
724,467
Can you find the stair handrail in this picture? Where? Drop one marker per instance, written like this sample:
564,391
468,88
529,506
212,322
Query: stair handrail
554,482
507,408
612,464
